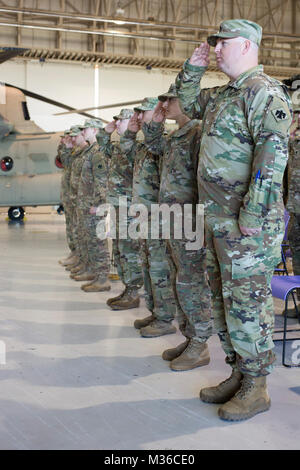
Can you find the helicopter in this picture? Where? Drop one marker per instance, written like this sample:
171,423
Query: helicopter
30,171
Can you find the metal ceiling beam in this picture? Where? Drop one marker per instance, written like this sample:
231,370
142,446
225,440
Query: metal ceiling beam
130,21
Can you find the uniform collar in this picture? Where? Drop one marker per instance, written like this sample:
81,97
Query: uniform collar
186,128
238,82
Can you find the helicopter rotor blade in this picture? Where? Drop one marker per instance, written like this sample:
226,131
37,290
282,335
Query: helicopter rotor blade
107,106
50,101
7,53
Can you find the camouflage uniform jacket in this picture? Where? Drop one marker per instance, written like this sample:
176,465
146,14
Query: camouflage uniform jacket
63,154
76,167
178,161
293,203
93,181
244,145
120,171
145,186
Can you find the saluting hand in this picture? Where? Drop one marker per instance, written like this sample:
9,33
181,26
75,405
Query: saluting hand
134,123
159,114
93,210
249,232
111,127
200,55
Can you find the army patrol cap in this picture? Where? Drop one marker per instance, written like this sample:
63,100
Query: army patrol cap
125,113
97,123
74,130
148,104
235,28
171,93
293,83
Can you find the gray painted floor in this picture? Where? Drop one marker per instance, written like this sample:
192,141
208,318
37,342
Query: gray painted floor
79,376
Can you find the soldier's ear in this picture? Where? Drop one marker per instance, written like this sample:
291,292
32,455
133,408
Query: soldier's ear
246,46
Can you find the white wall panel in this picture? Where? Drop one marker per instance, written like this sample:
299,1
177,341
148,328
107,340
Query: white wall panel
74,85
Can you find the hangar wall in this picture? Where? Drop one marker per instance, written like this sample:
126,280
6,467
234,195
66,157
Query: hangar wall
74,85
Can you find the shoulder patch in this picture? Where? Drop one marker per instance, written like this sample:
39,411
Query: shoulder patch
278,118
279,114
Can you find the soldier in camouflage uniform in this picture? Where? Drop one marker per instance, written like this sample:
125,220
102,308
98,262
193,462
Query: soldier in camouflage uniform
178,154
92,191
293,185
64,154
243,154
69,198
77,156
159,294
125,251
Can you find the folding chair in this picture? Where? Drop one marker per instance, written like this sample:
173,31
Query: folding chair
282,287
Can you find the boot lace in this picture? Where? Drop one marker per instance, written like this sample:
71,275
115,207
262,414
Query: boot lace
246,387
193,345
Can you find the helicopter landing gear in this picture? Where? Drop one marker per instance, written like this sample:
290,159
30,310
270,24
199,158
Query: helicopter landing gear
60,210
16,213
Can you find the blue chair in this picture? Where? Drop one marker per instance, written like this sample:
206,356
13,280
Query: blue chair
282,287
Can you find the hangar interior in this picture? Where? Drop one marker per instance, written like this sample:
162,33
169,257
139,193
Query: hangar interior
75,375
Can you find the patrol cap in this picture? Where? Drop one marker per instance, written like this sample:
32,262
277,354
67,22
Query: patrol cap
148,104
236,28
97,123
293,82
171,93
74,130
125,113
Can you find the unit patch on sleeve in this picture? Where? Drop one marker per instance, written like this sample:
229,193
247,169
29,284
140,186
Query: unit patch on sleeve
279,114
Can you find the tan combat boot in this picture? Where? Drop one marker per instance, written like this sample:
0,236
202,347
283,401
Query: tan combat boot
196,354
170,354
96,286
86,276
77,272
118,297
72,260
72,266
157,328
224,391
141,323
130,299
77,269
66,260
252,398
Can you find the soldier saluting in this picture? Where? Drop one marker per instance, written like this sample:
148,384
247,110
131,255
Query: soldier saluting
243,154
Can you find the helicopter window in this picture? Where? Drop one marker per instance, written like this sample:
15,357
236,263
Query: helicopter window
6,164
25,111
58,162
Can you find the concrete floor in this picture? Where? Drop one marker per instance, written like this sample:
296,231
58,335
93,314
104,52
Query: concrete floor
79,376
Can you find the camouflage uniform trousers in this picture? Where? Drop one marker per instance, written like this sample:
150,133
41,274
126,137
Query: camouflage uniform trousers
81,229
157,275
240,269
293,236
68,217
126,254
74,220
191,290
294,241
94,252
